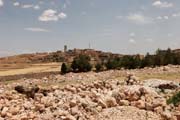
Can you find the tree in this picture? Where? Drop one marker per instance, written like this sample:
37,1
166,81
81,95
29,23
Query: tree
176,59
99,67
159,58
109,65
147,61
137,61
128,62
168,57
64,68
81,64
74,65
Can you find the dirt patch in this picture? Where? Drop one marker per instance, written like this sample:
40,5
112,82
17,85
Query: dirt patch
27,76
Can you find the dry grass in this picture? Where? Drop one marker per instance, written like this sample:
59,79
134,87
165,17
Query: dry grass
7,70
165,76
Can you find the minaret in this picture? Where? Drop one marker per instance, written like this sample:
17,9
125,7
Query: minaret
65,48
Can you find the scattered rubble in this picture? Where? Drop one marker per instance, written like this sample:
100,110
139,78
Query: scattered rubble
131,79
104,98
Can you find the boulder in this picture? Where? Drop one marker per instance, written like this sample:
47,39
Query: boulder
72,103
4,111
74,110
28,91
167,115
39,107
47,101
123,103
158,110
68,117
110,101
170,85
159,102
139,104
14,110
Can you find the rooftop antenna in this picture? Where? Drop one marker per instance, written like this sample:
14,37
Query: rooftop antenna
89,46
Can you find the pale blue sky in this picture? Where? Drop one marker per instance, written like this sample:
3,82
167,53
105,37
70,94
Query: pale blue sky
120,26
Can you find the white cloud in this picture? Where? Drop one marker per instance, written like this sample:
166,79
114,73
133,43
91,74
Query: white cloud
27,6
132,41
163,17
139,19
36,7
169,34
175,14
132,34
159,18
166,17
16,4
160,4
62,15
36,29
51,15
1,3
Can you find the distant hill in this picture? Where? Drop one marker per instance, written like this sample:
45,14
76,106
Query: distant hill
23,58
58,56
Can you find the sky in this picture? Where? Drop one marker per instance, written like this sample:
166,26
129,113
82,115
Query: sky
118,26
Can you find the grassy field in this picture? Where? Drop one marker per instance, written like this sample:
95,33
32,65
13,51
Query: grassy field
10,72
15,69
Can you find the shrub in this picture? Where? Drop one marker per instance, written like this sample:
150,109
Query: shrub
64,68
175,99
113,63
81,64
99,67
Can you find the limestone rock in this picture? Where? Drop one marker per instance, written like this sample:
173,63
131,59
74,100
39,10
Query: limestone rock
4,111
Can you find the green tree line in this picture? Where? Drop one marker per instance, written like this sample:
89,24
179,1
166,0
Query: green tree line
160,58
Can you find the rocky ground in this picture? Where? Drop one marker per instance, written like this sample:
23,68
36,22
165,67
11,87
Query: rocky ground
109,95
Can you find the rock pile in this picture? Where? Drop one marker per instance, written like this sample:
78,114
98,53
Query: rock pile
105,97
131,79
83,102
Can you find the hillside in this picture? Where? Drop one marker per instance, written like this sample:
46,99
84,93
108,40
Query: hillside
58,56
36,63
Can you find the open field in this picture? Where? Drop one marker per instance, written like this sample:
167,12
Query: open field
19,69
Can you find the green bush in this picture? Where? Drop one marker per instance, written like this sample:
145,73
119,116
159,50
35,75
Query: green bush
81,64
64,69
113,63
175,99
99,67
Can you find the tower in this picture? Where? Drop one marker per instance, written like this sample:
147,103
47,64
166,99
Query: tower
65,48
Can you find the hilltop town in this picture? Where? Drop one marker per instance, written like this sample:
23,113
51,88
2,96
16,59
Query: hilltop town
59,56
